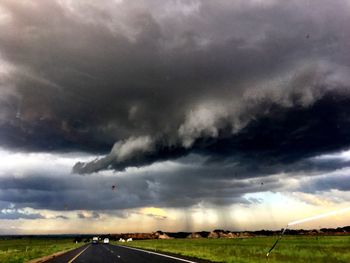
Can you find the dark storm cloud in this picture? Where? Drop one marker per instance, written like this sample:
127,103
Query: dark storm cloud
338,181
288,135
188,182
168,186
266,83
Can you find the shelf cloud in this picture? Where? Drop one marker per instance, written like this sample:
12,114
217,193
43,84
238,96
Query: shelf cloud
220,79
171,103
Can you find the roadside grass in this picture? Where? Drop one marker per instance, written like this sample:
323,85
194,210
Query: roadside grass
24,249
292,249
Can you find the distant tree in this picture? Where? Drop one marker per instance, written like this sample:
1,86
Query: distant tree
346,228
77,240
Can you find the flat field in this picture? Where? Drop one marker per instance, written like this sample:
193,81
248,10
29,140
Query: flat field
25,249
293,249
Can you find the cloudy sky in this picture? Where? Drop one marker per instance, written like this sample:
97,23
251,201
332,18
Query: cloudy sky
120,116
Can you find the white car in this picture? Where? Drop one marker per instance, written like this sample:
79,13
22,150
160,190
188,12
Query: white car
106,241
95,240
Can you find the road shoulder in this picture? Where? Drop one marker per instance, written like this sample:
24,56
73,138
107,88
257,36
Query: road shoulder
54,255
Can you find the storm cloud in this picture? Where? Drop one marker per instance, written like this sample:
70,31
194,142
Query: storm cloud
266,82
181,184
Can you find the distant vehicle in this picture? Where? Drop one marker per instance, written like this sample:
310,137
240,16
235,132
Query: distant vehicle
95,240
106,241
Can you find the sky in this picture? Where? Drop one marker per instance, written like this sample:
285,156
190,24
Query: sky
137,116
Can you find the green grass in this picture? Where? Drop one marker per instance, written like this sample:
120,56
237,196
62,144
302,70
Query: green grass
25,249
293,249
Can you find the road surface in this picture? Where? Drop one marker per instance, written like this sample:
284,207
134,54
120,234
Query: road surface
106,253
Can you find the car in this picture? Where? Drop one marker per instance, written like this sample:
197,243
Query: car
106,241
95,240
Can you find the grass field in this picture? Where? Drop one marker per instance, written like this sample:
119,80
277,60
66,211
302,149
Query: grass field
327,249
25,249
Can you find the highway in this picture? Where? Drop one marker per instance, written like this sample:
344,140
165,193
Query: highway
107,253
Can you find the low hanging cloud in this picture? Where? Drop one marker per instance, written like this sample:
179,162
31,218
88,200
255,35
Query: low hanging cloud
184,183
85,215
122,152
14,214
158,80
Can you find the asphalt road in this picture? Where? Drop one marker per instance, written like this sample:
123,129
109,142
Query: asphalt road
106,253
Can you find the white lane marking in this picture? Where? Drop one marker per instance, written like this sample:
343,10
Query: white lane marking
79,254
108,249
150,252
